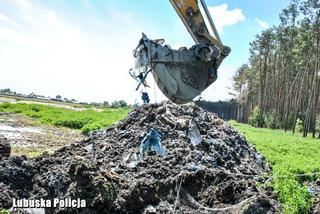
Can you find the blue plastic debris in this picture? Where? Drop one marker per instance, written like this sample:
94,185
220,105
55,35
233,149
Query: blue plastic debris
152,141
194,167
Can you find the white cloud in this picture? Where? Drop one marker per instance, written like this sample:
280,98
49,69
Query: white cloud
84,56
4,18
223,17
262,23
50,53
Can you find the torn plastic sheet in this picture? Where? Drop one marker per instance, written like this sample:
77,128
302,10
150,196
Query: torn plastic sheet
152,141
194,134
141,58
131,160
194,167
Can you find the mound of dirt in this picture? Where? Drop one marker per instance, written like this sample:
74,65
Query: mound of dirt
207,167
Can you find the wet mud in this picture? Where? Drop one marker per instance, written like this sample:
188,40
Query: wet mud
26,137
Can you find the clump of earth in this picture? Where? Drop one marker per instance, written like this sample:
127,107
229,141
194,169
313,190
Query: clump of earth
205,167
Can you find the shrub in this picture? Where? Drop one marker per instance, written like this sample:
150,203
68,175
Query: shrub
72,123
91,127
123,103
106,104
6,105
115,104
272,121
299,125
35,116
35,108
257,118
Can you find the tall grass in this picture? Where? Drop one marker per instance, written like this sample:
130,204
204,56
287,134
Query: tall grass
288,154
85,121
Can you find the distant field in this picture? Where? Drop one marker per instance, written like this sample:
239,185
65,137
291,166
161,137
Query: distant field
18,99
85,121
288,154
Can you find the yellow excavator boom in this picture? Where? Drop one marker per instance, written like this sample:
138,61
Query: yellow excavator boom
191,16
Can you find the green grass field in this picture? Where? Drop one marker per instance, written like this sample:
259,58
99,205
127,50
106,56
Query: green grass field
26,99
85,121
288,154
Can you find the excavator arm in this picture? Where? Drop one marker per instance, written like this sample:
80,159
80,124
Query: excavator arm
193,20
183,74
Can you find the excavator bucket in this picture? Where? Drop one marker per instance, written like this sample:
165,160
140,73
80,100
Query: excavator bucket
180,74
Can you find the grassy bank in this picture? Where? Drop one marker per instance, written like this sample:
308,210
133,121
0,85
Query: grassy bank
288,154
85,121
43,101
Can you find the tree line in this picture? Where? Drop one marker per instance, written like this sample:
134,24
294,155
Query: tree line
280,85
114,104
7,91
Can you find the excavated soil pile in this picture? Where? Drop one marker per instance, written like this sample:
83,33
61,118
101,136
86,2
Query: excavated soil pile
207,168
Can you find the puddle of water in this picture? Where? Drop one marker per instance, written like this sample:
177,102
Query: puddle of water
16,133
6,120
11,135
7,128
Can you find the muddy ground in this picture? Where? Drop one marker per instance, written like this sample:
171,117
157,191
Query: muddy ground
204,166
27,137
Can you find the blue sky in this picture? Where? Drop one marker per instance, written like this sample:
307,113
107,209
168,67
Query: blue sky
82,49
